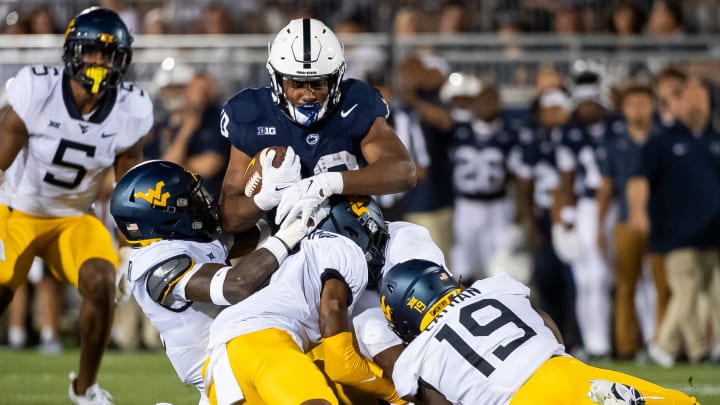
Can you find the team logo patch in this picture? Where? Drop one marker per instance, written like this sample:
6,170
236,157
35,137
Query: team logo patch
54,124
266,131
155,196
83,127
312,139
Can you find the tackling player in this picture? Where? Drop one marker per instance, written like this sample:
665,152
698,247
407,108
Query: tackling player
70,125
178,274
336,126
493,346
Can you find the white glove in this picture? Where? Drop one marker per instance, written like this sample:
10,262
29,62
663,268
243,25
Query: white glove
122,285
566,243
304,197
276,180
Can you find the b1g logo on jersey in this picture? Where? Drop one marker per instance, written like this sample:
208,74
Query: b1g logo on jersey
266,131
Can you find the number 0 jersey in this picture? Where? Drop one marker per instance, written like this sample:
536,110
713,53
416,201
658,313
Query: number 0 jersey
68,154
481,349
252,121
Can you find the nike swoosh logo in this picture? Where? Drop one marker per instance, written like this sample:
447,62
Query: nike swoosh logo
371,379
346,113
281,188
104,135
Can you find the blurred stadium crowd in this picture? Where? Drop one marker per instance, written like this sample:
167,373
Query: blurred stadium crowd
537,155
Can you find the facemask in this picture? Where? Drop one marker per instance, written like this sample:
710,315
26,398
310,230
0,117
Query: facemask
307,114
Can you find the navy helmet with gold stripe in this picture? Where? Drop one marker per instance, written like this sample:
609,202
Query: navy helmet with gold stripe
413,294
97,30
158,200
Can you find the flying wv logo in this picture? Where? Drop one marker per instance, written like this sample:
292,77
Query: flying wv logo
155,196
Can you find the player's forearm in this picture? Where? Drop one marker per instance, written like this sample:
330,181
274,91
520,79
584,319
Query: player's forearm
435,115
385,176
238,213
249,274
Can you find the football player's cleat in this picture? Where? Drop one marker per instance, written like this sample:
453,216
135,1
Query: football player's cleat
606,392
97,30
160,200
306,50
94,395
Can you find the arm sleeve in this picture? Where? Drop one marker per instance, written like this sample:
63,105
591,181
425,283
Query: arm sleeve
344,365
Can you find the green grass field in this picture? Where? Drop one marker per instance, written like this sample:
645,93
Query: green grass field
147,378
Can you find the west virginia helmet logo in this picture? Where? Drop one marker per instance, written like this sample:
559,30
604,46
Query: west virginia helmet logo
359,205
387,311
155,196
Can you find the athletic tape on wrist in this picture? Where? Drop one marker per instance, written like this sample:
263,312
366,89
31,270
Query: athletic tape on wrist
217,296
277,247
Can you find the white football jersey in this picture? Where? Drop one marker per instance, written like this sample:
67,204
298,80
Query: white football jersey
68,154
482,348
406,241
184,333
12,177
291,301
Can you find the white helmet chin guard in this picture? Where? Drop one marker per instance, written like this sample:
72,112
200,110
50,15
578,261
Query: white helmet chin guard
306,49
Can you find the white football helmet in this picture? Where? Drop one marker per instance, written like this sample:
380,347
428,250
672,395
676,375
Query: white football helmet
306,49
460,85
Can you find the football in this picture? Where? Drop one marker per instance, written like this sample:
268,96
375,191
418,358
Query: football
253,172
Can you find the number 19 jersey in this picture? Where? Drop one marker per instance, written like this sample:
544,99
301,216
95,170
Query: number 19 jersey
481,349
68,154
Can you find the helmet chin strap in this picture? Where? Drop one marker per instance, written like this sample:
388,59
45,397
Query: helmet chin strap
307,114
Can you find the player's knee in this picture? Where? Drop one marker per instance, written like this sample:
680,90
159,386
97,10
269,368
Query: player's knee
97,280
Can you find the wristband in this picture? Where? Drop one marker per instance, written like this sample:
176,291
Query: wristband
277,247
217,296
334,181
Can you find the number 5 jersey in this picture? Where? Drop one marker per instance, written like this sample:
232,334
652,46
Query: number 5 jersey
68,154
482,348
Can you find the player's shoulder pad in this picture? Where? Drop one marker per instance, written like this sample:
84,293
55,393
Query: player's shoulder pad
35,80
357,91
134,100
164,275
502,284
247,105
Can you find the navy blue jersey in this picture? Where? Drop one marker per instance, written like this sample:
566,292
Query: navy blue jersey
252,121
621,157
537,148
481,163
578,152
204,139
683,172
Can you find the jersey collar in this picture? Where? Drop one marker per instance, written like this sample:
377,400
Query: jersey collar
105,106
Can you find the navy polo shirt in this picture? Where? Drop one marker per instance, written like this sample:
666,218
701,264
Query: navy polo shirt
620,159
683,171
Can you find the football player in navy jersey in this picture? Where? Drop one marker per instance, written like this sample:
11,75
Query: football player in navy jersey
577,162
337,128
